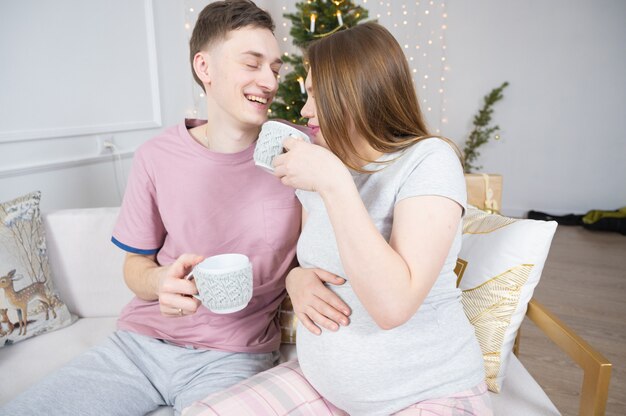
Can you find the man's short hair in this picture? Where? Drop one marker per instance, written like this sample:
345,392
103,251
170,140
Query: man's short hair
217,19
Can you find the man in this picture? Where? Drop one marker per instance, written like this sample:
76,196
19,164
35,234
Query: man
193,192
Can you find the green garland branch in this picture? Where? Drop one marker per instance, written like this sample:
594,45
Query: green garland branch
482,131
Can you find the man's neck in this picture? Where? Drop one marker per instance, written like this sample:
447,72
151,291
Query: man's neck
225,138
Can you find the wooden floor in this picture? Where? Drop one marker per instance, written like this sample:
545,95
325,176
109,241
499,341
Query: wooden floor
584,283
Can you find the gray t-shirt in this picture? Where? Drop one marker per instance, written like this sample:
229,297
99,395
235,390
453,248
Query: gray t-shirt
366,370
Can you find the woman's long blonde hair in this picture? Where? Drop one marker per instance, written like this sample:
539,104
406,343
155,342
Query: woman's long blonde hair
361,78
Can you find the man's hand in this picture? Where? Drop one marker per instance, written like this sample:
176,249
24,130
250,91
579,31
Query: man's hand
313,303
175,290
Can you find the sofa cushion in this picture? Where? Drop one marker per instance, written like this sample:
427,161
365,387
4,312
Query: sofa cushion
90,267
29,303
499,265
33,359
521,395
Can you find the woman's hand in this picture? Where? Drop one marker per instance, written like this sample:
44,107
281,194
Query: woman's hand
313,303
310,167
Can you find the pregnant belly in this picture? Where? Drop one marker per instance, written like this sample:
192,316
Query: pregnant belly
333,366
362,366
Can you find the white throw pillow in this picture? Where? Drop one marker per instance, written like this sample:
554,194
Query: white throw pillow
499,266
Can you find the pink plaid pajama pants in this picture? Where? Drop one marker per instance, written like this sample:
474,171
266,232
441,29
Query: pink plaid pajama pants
283,391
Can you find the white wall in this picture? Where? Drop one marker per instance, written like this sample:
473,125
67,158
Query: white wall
563,142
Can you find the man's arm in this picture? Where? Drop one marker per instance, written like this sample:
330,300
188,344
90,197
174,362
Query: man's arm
165,284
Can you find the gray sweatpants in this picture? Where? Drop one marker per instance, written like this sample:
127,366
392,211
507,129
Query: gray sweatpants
132,374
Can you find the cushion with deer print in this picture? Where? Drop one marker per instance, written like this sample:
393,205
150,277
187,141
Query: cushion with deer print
29,304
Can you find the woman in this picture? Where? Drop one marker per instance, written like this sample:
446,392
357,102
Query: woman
382,207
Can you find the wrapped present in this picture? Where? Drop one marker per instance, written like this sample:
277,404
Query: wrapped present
484,191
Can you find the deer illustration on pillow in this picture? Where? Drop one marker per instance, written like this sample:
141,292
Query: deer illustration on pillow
21,298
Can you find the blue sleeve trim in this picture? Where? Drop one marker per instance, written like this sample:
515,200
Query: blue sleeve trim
132,249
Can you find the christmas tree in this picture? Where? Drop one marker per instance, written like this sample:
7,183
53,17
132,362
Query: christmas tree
313,20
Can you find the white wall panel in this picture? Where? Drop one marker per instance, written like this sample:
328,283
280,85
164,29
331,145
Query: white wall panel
74,67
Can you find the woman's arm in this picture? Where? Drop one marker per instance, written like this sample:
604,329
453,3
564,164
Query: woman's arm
391,279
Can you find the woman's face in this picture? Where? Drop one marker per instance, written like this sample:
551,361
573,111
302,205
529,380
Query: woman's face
309,111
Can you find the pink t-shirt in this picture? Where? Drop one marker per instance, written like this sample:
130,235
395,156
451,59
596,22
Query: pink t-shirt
183,198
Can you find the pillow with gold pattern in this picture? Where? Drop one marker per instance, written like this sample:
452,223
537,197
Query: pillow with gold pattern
498,268
288,322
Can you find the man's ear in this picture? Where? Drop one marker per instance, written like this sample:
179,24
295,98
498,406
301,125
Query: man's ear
201,67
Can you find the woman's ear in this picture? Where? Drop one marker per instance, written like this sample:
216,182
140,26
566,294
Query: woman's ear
201,67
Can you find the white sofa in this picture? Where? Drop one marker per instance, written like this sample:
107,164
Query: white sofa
87,271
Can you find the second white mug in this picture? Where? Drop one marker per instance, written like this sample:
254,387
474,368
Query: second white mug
224,282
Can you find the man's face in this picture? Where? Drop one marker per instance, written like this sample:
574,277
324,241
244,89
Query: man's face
243,72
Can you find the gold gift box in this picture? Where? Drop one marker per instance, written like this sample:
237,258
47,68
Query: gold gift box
484,191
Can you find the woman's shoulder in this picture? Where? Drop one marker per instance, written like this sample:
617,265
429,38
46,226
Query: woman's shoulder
433,144
430,147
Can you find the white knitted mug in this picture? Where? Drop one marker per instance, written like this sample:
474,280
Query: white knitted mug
270,141
224,282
